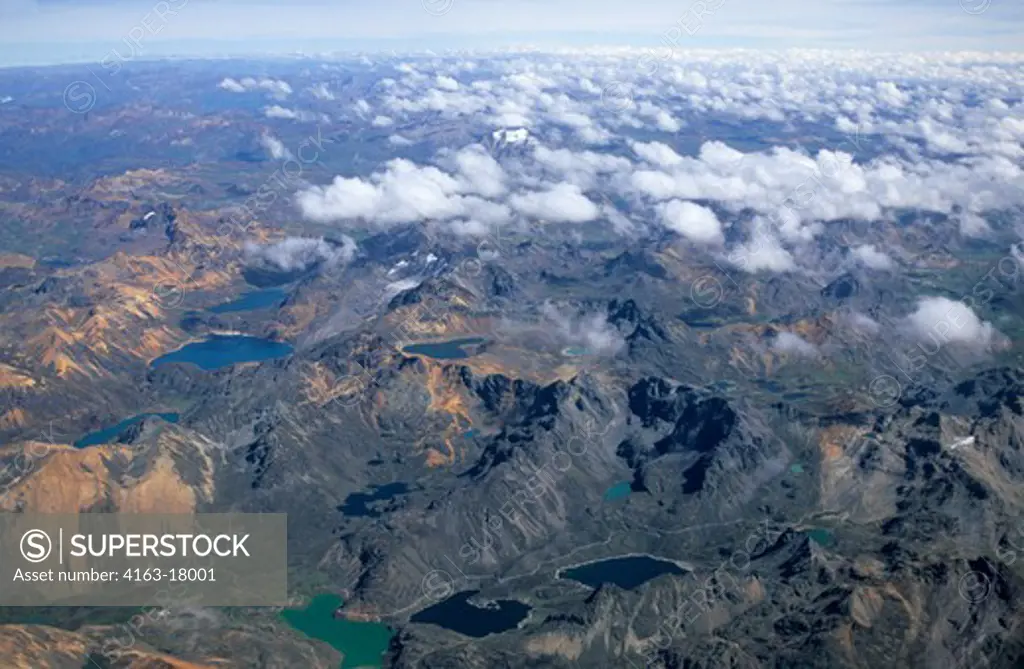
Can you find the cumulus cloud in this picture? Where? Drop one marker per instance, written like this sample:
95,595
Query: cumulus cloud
275,147
761,253
300,253
229,84
862,323
590,331
657,153
973,225
696,223
580,168
277,111
890,94
277,88
869,256
406,192
481,171
561,203
893,134
797,194
789,343
940,321
446,83
321,92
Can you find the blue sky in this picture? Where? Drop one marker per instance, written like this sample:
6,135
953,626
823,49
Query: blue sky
37,31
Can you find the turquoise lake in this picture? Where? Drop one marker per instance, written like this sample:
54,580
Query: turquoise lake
821,536
620,490
109,435
225,350
363,644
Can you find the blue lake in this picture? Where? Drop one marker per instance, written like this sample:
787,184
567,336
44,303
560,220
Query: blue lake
225,350
257,299
627,572
458,615
108,435
445,350
359,503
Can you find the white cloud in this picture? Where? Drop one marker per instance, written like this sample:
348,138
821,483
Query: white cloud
277,111
657,153
480,172
941,320
277,88
559,203
321,92
581,168
591,331
229,84
446,83
762,253
301,253
973,225
871,257
862,323
787,342
934,133
890,94
406,192
275,147
696,223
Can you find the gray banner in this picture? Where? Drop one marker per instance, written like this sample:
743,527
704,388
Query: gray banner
121,559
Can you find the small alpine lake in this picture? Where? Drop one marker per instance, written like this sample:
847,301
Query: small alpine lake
628,572
821,536
362,503
110,434
458,614
255,299
620,490
362,644
453,349
225,350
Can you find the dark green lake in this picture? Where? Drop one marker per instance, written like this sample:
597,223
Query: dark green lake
445,350
363,644
257,299
108,435
627,572
225,350
458,615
